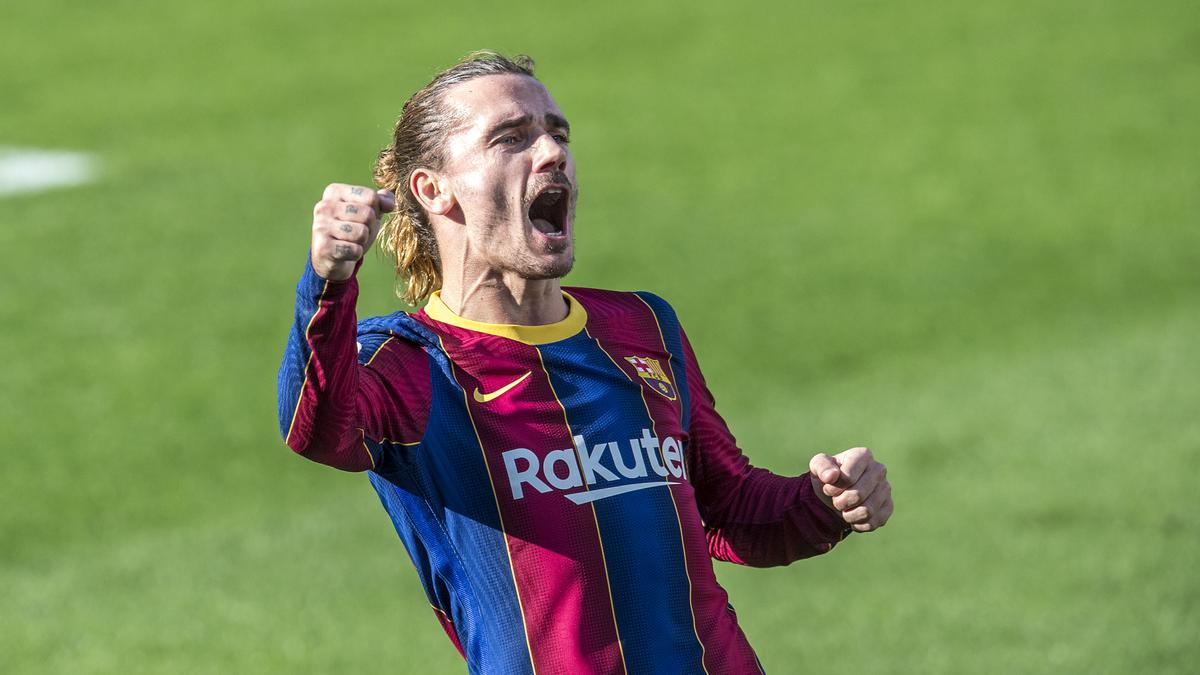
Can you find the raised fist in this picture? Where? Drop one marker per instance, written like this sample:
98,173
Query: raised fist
855,485
345,223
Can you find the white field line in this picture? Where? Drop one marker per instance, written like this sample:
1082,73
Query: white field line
30,170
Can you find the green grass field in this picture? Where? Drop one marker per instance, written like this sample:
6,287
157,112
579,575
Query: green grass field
965,235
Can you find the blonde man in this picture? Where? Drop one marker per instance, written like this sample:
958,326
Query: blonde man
551,457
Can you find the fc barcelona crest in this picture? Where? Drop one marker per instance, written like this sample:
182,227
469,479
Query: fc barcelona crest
653,375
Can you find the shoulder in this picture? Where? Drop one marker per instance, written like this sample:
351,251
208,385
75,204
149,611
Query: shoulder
603,303
398,334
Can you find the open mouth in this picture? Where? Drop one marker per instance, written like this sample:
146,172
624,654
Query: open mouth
548,213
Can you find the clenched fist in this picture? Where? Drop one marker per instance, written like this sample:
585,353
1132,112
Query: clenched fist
345,223
855,485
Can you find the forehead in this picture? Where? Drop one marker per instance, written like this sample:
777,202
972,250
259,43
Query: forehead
481,102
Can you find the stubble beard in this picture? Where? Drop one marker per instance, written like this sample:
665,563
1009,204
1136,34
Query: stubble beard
555,269
521,259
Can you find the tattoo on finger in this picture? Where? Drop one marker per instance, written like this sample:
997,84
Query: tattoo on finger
351,209
343,251
356,191
346,228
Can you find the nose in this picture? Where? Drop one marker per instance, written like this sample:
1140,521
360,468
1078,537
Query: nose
549,155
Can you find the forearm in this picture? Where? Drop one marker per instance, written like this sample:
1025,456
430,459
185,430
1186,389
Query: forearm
318,380
752,516
771,520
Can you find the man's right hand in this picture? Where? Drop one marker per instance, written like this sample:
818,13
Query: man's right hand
345,223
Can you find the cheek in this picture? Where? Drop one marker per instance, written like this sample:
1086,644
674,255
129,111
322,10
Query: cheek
499,199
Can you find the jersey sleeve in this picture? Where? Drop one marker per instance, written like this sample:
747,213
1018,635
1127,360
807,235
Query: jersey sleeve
751,516
342,401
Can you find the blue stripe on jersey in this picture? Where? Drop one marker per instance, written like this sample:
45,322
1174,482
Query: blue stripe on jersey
292,373
465,555
401,502
672,336
646,568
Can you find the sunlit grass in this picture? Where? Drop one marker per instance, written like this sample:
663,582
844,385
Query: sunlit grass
966,236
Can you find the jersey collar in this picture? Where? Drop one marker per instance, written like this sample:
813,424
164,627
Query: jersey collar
530,335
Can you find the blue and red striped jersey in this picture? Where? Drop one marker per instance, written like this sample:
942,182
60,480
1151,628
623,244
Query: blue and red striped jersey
562,490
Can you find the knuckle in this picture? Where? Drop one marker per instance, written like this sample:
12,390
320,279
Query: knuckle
321,225
331,190
356,212
329,247
859,515
345,252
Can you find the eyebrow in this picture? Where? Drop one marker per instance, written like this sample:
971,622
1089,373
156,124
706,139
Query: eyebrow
510,123
552,120
558,121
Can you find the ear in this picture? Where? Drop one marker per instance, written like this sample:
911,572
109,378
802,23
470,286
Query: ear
431,190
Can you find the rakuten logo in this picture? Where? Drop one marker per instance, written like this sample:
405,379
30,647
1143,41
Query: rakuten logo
565,469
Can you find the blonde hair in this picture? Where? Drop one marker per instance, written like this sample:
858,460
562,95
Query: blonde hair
417,141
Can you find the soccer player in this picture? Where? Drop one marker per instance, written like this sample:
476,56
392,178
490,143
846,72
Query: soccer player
550,456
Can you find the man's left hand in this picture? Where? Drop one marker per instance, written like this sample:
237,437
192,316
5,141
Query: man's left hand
855,485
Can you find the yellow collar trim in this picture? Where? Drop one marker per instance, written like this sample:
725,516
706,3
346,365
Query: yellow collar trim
530,335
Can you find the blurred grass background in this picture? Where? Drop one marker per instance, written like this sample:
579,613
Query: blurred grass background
964,234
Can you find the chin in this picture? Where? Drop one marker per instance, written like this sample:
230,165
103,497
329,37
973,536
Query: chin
549,269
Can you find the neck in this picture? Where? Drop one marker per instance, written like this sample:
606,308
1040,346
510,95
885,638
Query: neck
505,298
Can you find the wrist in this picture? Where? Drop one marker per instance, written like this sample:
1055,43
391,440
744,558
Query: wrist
313,284
819,493
336,273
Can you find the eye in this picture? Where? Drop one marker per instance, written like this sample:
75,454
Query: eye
511,139
562,138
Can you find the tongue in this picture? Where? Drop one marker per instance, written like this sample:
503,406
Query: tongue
544,226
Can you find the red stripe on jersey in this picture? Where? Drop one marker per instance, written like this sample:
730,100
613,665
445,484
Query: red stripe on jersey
394,392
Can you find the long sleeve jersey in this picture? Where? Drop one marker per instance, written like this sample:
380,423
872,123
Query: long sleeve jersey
561,489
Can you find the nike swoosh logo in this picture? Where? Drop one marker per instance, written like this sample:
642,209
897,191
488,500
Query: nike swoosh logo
481,397
604,493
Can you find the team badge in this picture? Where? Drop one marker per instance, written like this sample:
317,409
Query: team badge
653,375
